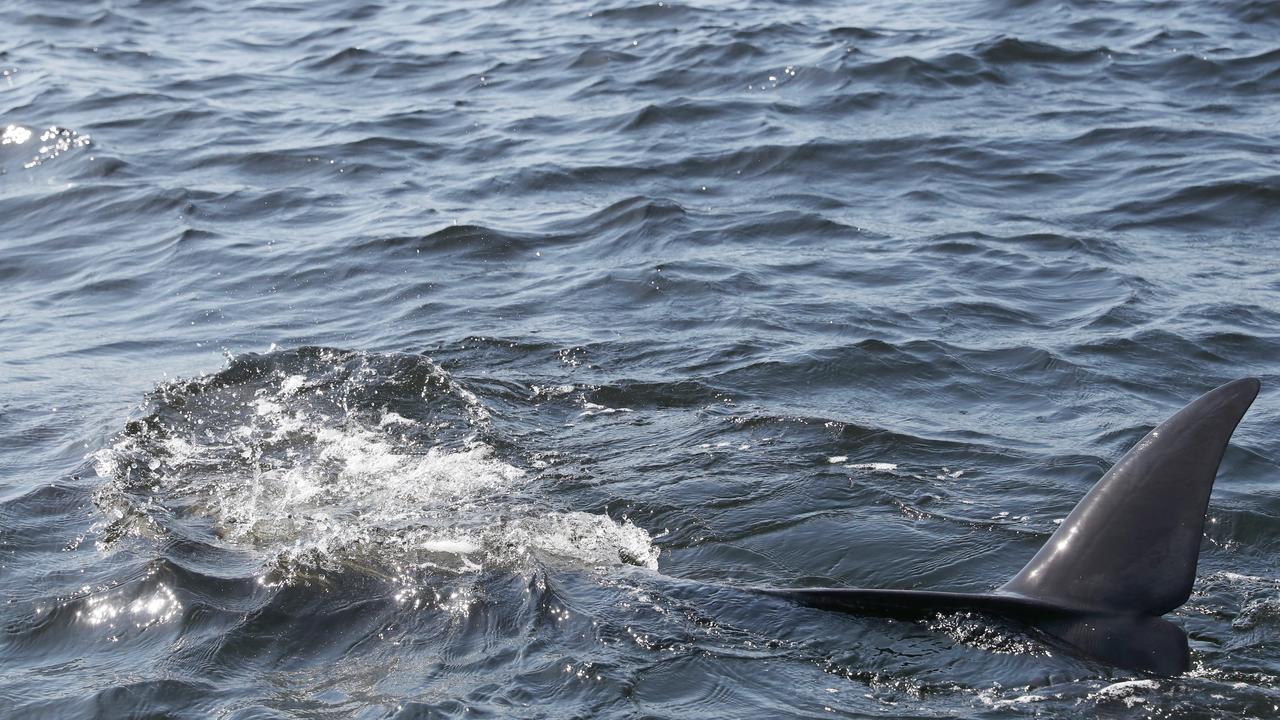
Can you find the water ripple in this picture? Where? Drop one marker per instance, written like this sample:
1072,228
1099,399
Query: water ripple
381,360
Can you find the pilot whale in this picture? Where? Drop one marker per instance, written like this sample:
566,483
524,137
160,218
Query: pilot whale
1125,556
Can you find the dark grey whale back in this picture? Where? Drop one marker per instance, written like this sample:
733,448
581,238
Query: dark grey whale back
1122,558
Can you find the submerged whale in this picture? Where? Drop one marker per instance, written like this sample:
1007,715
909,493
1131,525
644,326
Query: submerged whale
1124,556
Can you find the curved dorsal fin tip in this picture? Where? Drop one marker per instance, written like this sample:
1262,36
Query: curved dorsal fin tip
1131,545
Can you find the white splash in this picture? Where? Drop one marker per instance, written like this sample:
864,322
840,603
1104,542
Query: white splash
1125,692
310,487
874,466
991,698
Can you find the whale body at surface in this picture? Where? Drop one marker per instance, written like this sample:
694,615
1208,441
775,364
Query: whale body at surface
1125,556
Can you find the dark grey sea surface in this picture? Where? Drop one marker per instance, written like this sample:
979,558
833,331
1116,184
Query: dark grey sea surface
384,359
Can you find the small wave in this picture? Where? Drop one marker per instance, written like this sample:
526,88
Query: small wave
463,241
954,70
596,57
1241,203
1010,50
851,32
658,13
1253,11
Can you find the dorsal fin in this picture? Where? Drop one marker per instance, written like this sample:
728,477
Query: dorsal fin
1130,547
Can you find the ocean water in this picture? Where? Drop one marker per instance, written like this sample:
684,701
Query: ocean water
382,359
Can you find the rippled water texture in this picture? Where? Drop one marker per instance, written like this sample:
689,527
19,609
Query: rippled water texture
399,360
